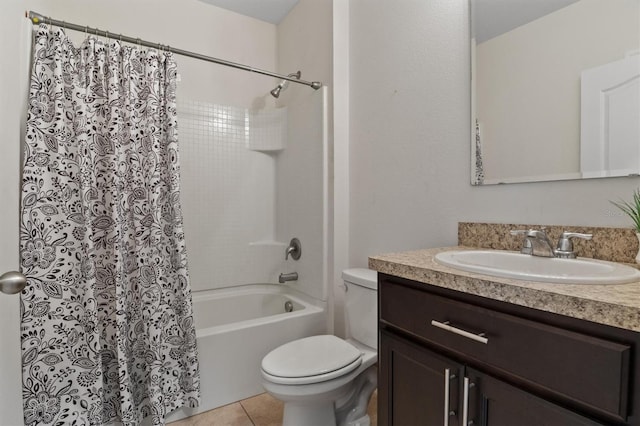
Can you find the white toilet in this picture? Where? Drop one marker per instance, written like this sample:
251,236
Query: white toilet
325,380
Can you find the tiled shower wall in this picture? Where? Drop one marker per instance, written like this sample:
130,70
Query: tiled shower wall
228,156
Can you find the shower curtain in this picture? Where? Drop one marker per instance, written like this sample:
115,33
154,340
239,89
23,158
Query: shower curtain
107,327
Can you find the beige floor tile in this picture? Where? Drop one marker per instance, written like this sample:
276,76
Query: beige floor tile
372,410
264,410
229,415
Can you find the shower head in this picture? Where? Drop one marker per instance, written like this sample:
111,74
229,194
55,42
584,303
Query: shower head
283,84
276,92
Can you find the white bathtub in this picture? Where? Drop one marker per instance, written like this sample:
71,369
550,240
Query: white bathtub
236,328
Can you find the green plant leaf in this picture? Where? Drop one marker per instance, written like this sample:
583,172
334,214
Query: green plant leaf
631,209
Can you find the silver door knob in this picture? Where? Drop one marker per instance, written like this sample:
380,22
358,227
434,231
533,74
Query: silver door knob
12,282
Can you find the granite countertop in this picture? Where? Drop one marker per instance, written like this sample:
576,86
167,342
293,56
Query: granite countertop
616,305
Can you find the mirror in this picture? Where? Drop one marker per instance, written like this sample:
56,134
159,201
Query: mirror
555,90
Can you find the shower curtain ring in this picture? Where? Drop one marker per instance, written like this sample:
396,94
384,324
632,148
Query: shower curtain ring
86,31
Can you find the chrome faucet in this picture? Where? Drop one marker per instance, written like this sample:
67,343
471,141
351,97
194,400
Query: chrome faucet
541,245
294,249
565,245
292,276
537,243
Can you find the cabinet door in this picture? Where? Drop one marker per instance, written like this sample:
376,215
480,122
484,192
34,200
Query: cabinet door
413,389
493,402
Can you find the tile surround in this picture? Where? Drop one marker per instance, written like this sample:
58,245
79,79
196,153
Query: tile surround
613,244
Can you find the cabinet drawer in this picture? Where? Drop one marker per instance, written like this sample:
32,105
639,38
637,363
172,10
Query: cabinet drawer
586,370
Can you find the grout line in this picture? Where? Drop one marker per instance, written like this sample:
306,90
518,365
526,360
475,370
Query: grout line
247,413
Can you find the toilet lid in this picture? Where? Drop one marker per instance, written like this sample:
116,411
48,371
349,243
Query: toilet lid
312,359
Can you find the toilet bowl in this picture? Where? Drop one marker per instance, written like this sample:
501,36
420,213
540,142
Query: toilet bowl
325,380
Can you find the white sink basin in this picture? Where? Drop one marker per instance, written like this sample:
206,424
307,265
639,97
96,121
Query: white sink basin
509,264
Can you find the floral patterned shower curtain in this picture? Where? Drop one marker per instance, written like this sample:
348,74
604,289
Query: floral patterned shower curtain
107,326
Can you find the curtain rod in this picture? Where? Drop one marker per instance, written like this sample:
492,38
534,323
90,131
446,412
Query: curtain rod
37,18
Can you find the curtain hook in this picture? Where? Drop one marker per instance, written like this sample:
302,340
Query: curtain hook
138,42
121,38
86,31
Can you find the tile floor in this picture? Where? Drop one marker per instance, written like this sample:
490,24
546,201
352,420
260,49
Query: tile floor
261,410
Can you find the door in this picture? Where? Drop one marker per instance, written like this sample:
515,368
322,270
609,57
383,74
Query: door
14,45
610,119
417,387
493,402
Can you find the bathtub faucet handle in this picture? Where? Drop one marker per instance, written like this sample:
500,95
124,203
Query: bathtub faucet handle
292,276
294,249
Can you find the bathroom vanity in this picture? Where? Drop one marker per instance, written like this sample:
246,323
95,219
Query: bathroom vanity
461,348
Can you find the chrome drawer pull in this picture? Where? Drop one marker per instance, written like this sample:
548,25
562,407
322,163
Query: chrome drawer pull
447,377
446,326
465,402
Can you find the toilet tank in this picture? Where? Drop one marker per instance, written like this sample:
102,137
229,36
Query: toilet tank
361,305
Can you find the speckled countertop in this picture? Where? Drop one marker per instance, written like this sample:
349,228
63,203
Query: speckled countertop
615,305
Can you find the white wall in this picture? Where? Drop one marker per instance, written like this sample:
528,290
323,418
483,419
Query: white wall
409,111
303,169
341,187
528,85
299,193
410,154
12,109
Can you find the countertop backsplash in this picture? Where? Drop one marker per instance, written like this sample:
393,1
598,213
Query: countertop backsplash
613,244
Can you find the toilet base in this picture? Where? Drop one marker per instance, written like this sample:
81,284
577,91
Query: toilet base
298,413
342,405
341,401
352,411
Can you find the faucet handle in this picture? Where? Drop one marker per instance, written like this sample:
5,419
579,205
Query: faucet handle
294,249
565,245
526,244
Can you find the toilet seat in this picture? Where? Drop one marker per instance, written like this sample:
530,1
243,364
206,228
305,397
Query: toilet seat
310,360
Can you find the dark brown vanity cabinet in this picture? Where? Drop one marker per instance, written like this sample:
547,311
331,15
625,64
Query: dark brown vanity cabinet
420,384
447,357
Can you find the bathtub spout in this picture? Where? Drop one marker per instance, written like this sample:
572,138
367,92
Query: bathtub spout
293,276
